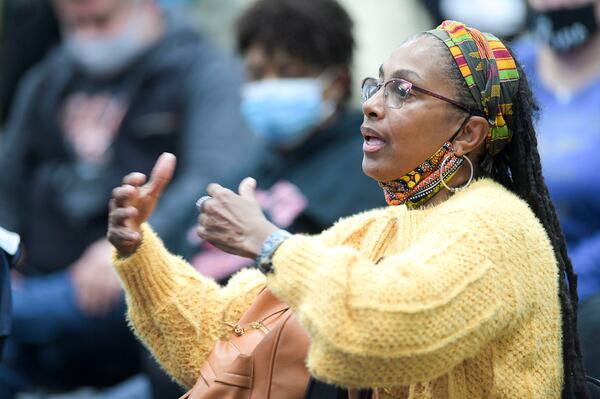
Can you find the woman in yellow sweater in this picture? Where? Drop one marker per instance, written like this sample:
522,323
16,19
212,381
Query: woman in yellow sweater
446,293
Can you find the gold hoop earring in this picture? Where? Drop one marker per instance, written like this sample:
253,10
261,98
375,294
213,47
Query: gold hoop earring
455,189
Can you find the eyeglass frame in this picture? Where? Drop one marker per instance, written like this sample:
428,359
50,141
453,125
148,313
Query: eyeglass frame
417,88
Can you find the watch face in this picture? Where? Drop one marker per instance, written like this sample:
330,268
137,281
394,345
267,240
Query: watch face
265,265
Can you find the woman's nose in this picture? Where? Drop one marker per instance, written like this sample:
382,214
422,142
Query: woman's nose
374,107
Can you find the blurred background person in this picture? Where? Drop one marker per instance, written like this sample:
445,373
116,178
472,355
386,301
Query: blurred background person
298,58
562,59
126,83
28,29
506,19
373,36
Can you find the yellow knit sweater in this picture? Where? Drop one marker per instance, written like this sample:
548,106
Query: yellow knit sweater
459,300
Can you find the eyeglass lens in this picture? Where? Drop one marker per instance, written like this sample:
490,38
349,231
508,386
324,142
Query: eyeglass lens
395,91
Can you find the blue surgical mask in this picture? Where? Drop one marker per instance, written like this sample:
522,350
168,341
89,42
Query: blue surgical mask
285,111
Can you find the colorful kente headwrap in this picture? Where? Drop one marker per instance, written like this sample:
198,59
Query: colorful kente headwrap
493,80
491,74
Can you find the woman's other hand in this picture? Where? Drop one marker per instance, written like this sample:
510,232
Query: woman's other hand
132,204
97,287
234,223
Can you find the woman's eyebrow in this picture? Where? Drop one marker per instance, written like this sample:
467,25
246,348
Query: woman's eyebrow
407,74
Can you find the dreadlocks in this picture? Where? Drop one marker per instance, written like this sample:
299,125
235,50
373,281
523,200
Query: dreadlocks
518,168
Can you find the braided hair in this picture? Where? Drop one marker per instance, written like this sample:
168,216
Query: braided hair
518,168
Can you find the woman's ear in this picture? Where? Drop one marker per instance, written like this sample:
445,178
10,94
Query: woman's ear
472,136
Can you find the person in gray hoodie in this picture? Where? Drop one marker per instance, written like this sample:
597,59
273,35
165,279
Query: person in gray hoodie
126,83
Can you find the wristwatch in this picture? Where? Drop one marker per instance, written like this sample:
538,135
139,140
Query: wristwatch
264,260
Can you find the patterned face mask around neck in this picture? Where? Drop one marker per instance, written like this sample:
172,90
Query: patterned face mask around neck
419,185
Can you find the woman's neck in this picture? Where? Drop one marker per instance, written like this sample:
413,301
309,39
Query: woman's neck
568,73
438,198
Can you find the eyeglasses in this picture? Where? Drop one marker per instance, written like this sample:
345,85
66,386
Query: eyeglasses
396,91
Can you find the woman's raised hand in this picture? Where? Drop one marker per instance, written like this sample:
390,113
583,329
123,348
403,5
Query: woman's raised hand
234,222
132,204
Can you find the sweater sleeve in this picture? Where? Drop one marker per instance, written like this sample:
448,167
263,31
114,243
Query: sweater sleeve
412,315
177,313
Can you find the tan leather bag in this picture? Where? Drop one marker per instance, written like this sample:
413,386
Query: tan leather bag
263,357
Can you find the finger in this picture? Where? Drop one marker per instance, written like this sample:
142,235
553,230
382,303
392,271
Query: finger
123,195
202,233
162,173
247,188
202,219
201,201
119,216
135,179
216,190
123,237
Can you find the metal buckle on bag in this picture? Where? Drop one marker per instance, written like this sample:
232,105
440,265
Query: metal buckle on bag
236,328
259,326
239,330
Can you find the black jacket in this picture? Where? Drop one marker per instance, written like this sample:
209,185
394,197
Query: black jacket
324,175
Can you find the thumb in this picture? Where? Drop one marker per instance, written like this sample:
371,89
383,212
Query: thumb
247,188
161,174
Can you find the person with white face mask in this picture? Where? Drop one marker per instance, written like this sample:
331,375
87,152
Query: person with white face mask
562,59
107,55
104,46
127,83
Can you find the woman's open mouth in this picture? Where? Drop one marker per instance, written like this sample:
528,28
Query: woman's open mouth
373,140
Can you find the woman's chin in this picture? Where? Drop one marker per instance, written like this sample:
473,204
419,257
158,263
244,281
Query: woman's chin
373,169
376,171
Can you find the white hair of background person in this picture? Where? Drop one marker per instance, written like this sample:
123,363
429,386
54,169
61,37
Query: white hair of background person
500,17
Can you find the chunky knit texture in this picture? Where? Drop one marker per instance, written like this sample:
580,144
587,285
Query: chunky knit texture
459,300
177,313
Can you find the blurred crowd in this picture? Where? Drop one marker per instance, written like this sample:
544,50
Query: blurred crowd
91,90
